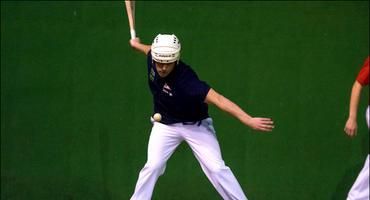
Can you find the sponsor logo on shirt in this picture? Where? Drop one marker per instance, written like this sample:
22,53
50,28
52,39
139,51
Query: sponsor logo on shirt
166,89
152,74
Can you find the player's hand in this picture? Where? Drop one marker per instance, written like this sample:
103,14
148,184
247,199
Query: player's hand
261,124
135,42
351,127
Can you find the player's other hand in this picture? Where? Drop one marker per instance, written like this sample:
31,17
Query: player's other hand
261,124
351,127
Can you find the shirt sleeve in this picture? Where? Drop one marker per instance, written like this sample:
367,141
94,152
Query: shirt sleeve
149,61
363,75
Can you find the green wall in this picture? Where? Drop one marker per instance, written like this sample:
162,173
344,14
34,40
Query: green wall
75,104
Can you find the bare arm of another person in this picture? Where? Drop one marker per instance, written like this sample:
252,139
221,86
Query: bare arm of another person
351,124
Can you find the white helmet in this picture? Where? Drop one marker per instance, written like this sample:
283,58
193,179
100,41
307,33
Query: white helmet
166,48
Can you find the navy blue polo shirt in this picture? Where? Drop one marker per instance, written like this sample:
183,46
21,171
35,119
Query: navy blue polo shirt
180,96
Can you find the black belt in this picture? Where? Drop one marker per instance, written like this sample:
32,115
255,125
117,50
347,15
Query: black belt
198,123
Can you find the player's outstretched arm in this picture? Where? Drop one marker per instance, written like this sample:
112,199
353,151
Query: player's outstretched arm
351,124
136,44
256,123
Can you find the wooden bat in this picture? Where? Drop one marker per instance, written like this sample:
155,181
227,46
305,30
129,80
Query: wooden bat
130,8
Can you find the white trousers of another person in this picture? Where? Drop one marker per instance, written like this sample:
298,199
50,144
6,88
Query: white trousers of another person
360,189
201,138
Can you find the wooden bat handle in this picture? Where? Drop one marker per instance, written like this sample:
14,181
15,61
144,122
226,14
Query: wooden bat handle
130,8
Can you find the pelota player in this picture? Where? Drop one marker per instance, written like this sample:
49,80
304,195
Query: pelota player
360,189
182,100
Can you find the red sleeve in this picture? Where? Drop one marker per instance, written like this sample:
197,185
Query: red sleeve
363,75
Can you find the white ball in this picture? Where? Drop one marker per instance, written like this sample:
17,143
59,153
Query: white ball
157,117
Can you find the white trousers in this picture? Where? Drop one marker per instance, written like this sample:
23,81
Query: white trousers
163,141
360,189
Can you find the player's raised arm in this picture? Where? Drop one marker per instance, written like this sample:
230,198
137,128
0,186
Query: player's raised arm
136,44
256,123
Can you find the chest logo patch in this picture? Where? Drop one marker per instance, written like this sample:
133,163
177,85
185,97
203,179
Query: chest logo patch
166,89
